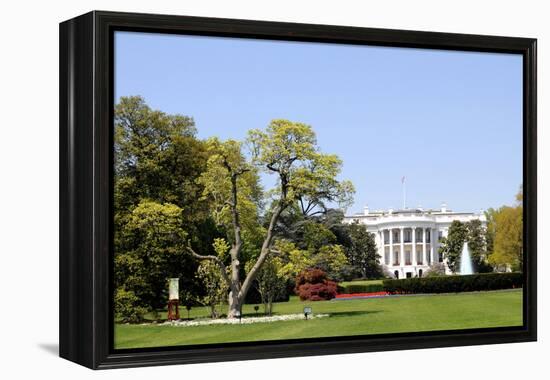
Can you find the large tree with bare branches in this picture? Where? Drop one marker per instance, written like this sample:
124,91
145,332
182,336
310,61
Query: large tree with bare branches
304,175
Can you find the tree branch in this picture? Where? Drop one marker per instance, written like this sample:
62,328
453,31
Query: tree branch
266,248
223,269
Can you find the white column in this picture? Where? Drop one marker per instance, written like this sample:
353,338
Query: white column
402,246
424,257
391,245
413,232
432,245
382,249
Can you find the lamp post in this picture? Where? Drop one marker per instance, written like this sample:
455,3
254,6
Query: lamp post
188,307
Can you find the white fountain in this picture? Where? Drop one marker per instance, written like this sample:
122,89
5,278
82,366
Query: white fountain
465,260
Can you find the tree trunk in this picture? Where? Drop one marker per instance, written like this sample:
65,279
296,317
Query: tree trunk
235,306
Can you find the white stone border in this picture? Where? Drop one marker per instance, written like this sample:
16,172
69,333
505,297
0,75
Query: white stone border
236,321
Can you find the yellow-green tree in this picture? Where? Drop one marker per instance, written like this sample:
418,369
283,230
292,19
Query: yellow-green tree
289,152
508,245
507,224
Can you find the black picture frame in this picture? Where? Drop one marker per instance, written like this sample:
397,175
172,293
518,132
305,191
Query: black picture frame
86,165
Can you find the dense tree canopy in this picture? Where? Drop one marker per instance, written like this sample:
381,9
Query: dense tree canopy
471,232
506,234
158,203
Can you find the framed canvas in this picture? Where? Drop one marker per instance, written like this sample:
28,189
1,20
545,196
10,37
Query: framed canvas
215,176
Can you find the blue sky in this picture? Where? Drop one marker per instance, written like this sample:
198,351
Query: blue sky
450,122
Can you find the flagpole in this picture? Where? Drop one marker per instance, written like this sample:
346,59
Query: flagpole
404,192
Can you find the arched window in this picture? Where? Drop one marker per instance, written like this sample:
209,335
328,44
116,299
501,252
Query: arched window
396,274
420,273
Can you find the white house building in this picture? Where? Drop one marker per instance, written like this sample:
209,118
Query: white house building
408,239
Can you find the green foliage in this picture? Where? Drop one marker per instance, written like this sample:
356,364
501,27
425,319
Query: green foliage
270,283
474,234
351,288
362,252
290,260
315,235
153,238
451,246
157,157
171,189
128,308
304,173
454,284
508,245
157,201
225,164
331,259
216,288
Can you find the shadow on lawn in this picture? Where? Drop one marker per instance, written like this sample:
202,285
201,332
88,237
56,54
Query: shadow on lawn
353,313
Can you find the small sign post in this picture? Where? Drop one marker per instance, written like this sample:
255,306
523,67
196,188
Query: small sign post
173,299
307,311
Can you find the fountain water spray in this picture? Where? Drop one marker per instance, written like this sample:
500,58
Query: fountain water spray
466,266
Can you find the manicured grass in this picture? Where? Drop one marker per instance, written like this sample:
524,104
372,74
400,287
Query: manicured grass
350,317
361,282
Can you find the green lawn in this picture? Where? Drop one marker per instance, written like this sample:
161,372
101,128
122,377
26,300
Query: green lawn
349,317
361,282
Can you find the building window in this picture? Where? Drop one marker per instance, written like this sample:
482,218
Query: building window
428,236
396,274
419,235
419,257
386,237
420,273
407,257
440,235
396,258
407,235
387,257
396,236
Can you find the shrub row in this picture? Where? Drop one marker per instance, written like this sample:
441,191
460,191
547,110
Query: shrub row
454,284
360,288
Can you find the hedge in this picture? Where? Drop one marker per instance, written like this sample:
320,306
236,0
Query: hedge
360,288
454,284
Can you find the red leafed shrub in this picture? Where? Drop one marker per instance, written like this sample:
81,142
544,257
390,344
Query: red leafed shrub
313,285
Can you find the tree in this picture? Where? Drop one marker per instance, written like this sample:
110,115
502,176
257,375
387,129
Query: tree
506,225
291,260
478,246
471,232
508,246
331,259
490,230
286,150
451,246
362,252
157,161
215,286
152,236
269,282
